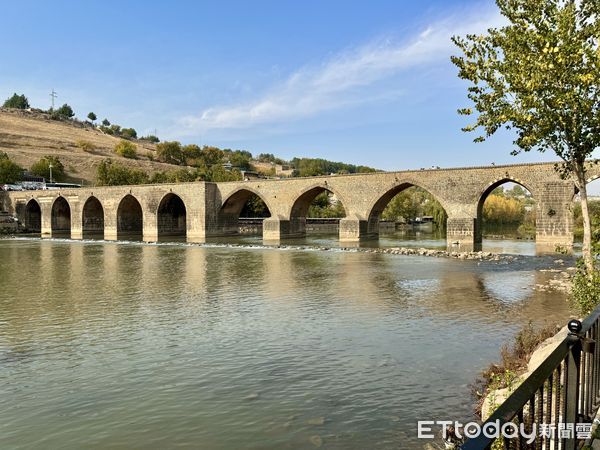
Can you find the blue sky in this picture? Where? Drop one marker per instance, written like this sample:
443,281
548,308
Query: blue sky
361,82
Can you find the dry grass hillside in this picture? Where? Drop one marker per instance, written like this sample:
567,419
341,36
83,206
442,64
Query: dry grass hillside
28,136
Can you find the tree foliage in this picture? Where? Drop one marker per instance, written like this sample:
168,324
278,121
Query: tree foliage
412,203
326,205
110,173
10,171
92,117
64,112
16,101
503,210
310,167
540,76
42,168
170,152
126,149
128,133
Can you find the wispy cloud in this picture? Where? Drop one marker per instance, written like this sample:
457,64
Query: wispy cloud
343,79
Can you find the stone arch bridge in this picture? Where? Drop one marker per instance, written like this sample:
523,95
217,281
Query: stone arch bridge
199,210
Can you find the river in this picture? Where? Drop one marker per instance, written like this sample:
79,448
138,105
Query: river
133,345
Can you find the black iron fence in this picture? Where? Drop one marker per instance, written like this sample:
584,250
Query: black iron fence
556,404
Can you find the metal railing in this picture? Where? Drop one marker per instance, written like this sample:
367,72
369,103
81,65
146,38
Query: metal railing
563,390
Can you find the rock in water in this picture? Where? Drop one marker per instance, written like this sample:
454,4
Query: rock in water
316,421
316,440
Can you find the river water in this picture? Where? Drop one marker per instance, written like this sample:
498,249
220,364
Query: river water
133,345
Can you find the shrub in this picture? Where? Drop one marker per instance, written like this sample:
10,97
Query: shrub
16,101
126,149
150,138
110,173
514,360
64,112
129,133
86,146
585,291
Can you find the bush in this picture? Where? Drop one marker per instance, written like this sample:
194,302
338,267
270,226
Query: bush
585,291
129,133
110,173
514,361
150,138
42,168
16,101
10,171
64,112
126,149
85,146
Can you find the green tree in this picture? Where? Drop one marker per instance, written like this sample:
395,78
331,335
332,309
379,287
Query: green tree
170,152
129,133
150,138
10,171
126,149
175,176
92,117
239,158
106,123
65,112
539,75
110,173
192,153
16,101
42,168
211,156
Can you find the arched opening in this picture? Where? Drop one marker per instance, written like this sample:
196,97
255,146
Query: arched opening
243,212
171,216
506,212
408,212
130,218
317,210
32,217
61,217
92,218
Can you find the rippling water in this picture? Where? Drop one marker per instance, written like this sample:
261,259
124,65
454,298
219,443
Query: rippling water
124,345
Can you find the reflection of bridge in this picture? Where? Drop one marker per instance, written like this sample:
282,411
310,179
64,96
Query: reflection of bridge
200,210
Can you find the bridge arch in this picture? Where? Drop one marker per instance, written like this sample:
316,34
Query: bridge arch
231,209
300,207
130,217
171,216
61,216
483,196
92,217
32,216
377,208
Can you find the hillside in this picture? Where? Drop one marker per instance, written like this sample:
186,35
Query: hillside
28,136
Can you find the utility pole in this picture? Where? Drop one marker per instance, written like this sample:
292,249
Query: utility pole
53,96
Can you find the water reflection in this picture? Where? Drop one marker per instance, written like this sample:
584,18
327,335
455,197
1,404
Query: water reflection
219,348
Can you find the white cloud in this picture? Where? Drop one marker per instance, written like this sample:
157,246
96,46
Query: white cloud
343,79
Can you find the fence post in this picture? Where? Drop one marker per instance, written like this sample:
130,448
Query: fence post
572,390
